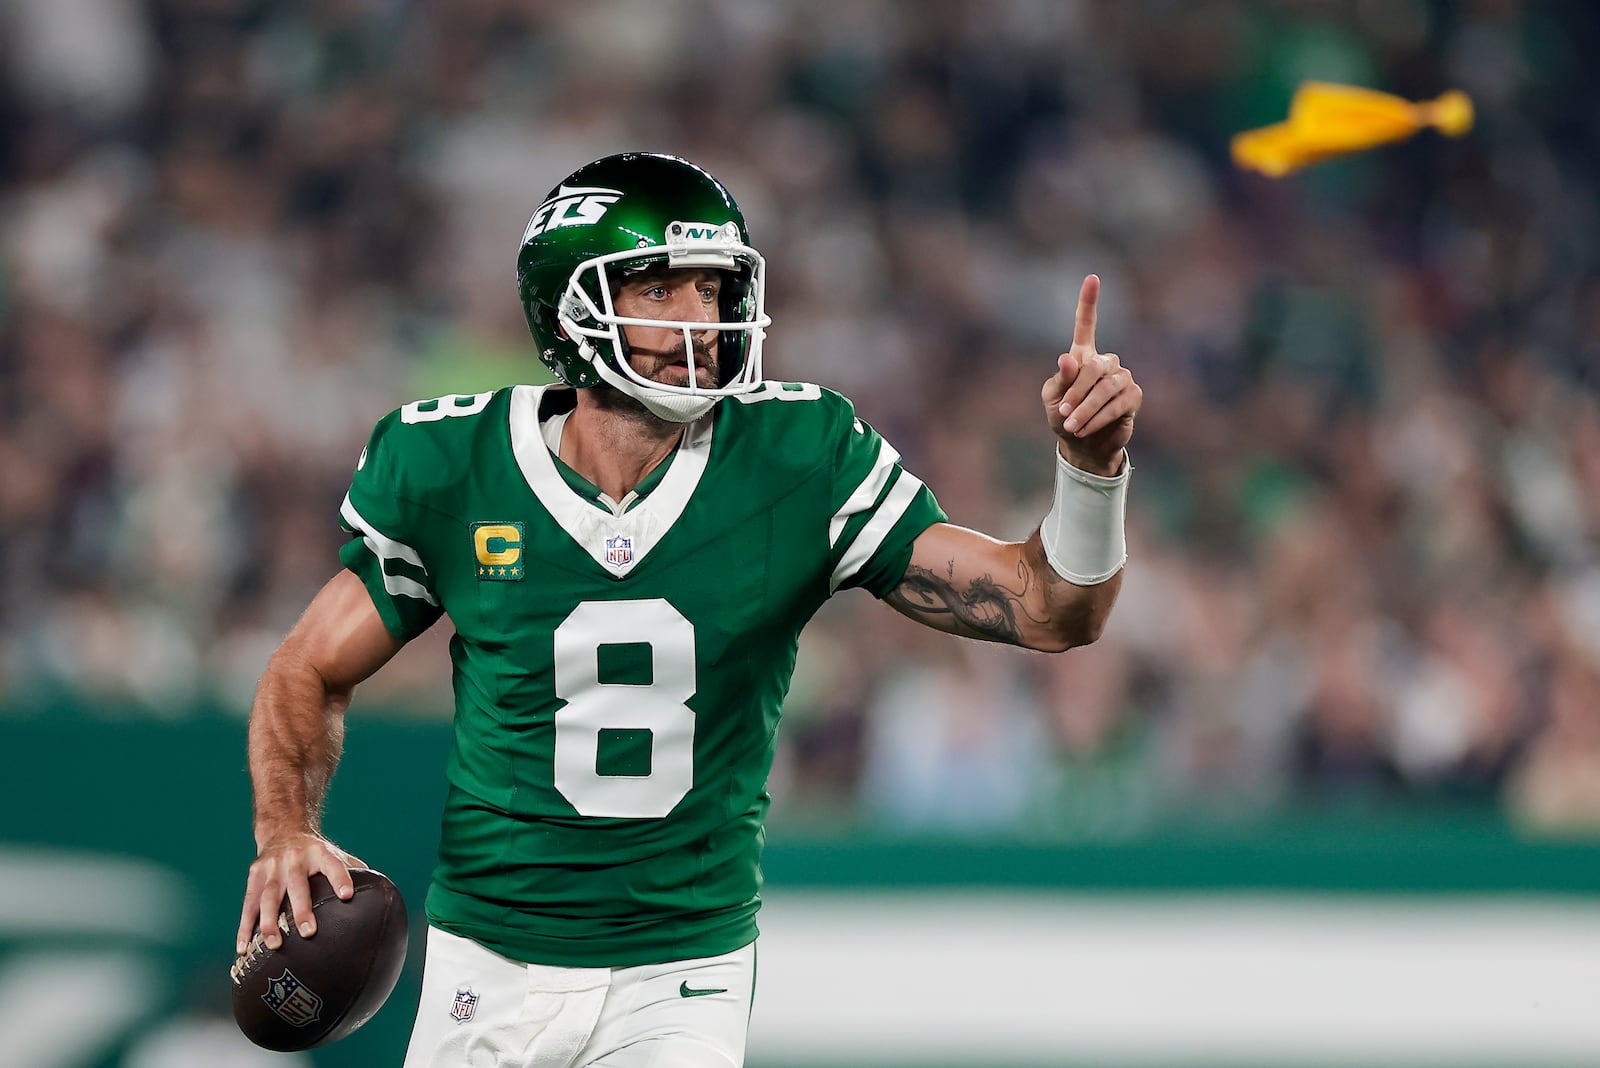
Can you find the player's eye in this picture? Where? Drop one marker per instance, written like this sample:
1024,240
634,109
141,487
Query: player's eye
708,293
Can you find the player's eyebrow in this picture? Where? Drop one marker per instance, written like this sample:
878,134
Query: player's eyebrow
657,273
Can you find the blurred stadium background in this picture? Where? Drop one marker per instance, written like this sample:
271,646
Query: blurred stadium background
1327,791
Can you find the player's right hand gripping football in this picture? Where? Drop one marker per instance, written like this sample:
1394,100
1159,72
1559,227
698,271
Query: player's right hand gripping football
284,867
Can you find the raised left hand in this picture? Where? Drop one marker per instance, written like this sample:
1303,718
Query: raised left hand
1091,400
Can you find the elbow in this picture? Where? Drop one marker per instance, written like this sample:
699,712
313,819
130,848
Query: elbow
1087,634
290,664
1082,629
293,668
1093,627
1081,618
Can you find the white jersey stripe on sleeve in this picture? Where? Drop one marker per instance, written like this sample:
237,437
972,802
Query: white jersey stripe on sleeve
869,490
877,529
386,548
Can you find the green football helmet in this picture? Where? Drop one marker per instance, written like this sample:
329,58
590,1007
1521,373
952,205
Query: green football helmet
619,215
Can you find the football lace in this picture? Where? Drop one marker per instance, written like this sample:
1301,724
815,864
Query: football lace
255,950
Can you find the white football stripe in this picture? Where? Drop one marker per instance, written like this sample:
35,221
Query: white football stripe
871,537
869,490
386,548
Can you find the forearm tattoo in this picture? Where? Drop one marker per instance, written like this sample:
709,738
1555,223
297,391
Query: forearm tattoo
983,608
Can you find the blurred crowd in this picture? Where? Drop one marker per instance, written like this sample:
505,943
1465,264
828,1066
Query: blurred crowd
1364,520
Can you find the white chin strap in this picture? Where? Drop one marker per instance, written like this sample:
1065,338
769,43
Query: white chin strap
673,407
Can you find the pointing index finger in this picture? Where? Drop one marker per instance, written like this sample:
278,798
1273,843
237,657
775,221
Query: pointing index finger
1083,326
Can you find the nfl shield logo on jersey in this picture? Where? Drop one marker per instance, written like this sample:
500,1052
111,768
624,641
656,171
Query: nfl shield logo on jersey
465,1004
619,550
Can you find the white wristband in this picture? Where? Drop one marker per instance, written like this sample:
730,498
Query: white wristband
1083,533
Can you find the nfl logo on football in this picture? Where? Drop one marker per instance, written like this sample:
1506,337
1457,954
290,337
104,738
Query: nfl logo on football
619,550
465,1004
292,999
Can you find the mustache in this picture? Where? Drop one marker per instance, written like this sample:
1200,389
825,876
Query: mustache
679,354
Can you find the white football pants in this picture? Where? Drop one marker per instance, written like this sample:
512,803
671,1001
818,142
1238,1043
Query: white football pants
482,1010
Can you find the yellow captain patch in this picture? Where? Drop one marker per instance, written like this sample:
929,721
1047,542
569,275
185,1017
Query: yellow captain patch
499,550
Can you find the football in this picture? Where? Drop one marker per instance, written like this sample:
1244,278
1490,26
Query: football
312,991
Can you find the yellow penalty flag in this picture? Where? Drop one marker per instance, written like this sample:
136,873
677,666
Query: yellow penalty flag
1327,121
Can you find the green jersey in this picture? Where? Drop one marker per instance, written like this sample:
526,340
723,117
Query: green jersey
619,667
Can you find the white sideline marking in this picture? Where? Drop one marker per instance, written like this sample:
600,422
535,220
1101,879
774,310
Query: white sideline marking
77,893
1022,978
60,1010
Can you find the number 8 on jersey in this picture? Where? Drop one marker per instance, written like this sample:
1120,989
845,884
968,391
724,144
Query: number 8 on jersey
656,708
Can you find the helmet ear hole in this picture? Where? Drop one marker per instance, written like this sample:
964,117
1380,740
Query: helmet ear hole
573,308
733,305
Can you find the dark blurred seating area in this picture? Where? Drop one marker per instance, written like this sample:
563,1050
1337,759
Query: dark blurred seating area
1364,521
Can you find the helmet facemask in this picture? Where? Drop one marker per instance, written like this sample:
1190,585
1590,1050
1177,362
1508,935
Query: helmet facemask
587,313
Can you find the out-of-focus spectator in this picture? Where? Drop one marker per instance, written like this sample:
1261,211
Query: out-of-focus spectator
1557,789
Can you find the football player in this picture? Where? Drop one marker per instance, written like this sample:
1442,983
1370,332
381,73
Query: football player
628,558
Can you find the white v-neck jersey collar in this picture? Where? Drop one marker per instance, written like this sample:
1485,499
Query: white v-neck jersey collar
616,542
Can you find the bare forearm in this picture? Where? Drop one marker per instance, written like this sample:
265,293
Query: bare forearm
973,607
296,738
967,583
